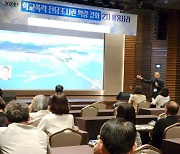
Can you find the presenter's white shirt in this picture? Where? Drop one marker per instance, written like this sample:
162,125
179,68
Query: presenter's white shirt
53,123
37,115
160,100
22,139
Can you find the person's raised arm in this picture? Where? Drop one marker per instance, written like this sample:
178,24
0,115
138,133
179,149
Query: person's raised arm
139,77
142,79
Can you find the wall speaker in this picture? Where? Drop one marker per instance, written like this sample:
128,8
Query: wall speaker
123,96
161,25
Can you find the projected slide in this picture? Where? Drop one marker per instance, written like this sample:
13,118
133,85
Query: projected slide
31,61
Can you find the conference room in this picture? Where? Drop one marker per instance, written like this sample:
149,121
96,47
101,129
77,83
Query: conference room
68,68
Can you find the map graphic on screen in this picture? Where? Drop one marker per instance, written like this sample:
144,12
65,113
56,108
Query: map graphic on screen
33,61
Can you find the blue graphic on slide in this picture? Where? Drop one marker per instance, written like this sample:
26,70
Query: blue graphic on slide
41,61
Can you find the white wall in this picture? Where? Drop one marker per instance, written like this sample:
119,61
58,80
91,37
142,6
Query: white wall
113,64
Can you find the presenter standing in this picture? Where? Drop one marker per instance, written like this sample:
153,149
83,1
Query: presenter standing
157,84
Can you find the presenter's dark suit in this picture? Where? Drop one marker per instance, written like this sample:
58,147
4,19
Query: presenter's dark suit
158,130
155,89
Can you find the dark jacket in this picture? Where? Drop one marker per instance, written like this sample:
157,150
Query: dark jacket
158,130
3,121
158,88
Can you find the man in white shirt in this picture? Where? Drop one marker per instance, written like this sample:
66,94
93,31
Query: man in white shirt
19,137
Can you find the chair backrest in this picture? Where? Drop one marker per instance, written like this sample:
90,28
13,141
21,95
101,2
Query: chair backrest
99,105
35,122
147,149
162,116
172,131
115,111
143,104
89,111
66,137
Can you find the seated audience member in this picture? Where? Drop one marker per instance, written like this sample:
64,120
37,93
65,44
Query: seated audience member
3,120
19,137
60,118
162,98
161,124
116,137
58,89
1,92
137,97
127,112
39,106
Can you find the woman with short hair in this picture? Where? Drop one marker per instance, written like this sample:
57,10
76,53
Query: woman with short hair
137,97
60,118
162,98
126,111
39,106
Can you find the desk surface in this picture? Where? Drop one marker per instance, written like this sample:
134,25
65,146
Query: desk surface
171,146
110,117
82,149
93,124
154,109
106,112
151,111
95,118
175,140
79,111
77,106
144,128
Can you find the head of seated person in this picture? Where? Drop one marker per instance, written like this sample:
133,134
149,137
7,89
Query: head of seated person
138,90
39,103
171,108
2,105
59,89
126,111
1,92
164,92
17,112
59,104
3,121
116,137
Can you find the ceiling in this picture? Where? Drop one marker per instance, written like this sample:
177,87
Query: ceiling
132,6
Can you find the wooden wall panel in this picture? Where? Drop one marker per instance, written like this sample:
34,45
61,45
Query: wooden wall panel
129,63
173,56
148,52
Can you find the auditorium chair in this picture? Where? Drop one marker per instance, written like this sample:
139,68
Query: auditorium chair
35,122
99,105
89,111
66,137
115,111
172,131
147,149
143,104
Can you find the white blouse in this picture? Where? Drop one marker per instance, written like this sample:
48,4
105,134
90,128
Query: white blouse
37,115
136,99
53,123
160,100
22,139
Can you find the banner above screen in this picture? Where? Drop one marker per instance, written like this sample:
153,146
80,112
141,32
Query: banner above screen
67,16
